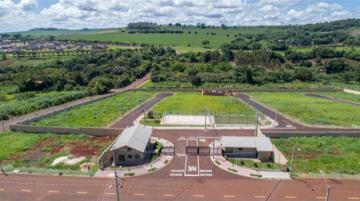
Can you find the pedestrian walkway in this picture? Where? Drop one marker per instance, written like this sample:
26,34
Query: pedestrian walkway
226,165
159,163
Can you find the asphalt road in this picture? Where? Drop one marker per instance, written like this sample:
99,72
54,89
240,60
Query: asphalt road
129,118
57,188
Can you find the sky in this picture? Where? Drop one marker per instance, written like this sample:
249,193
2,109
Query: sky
20,15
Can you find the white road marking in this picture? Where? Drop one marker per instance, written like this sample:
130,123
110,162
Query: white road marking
26,190
290,197
53,191
259,196
109,193
353,198
81,192
199,196
1,189
229,196
169,195
139,194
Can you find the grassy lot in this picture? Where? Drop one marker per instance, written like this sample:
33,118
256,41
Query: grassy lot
330,154
310,110
99,113
15,104
343,96
195,103
36,152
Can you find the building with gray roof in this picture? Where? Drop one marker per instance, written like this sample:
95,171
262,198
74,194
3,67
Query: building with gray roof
131,147
247,147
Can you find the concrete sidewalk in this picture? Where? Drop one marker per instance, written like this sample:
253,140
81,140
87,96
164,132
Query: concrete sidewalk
226,165
162,161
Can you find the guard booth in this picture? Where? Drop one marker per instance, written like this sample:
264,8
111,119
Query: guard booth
197,150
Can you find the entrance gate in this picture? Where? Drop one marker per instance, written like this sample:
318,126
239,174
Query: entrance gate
197,151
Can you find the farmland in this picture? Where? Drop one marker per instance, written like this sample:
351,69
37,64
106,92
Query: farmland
192,36
333,155
314,111
99,113
36,152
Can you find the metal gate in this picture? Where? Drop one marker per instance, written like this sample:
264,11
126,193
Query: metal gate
197,151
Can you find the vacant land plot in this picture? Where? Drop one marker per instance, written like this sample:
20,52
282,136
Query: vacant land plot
310,110
330,154
344,96
197,104
37,152
15,104
99,113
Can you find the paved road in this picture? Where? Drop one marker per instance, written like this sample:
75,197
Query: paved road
52,109
283,121
129,119
56,188
332,99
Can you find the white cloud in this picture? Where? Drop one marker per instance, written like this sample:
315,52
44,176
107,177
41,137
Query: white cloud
20,15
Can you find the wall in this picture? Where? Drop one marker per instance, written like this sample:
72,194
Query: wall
60,130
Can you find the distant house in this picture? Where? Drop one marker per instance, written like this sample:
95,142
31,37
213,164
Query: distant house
259,148
130,148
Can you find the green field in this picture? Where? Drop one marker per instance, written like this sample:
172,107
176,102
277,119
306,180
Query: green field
339,155
99,113
195,104
185,39
15,104
36,152
310,110
343,96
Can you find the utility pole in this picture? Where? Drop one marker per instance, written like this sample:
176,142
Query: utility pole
327,187
292,159
117,186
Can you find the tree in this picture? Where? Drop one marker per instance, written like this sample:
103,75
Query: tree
101,85
205,42
196,81
336,66
4,57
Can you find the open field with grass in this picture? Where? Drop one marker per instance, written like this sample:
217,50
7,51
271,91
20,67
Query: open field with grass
15,104
314,111
195,104
192,36
336,155
37,152
99,113
343,95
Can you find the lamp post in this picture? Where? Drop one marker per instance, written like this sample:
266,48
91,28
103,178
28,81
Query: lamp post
327,187
292,159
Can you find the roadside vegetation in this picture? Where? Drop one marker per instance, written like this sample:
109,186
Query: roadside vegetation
29,152
314,111
16,104
333,155
99,113
343,96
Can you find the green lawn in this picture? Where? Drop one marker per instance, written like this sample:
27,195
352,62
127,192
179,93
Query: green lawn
253,165
195,104
99,113
310,110
330,154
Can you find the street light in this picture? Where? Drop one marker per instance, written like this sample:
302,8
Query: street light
327,187
292,158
